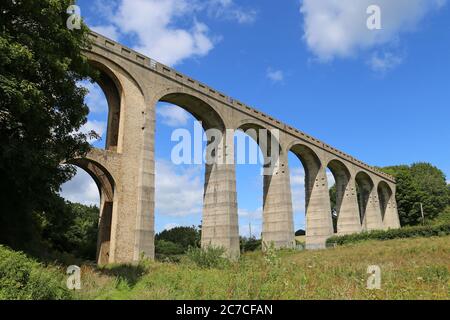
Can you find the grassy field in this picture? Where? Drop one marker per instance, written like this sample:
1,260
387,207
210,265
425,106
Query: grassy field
411,269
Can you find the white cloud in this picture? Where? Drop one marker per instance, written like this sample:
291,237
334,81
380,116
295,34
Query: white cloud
297,179
339,29
227,9
95,99
108,31
275,75
81,189
172,115
251,214
256,230
170,226
179,190
384,62
154,25
151,23
98,127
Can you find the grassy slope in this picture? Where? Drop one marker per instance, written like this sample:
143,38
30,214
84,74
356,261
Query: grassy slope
411,269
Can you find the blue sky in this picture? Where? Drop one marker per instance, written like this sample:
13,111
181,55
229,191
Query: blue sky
379,95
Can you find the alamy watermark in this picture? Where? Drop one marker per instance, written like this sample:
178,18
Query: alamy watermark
74,278
74,20
374,19
222,149
374,280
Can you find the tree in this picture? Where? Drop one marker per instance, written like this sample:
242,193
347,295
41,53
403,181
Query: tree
41,107
183,236
419,183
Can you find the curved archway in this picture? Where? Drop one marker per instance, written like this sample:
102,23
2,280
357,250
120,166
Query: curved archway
217,194
318,220
384,196
342,177
264,154
364,187
106,188
112,89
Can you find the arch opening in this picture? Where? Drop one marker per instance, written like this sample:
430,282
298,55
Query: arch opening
364,186
104,100
303,179
106,190
340,181
183,178
384,196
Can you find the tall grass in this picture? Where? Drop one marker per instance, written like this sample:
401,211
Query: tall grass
411,269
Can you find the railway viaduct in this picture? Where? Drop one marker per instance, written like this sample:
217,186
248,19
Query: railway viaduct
125,170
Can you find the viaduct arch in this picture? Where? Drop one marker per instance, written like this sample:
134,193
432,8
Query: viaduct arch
125,170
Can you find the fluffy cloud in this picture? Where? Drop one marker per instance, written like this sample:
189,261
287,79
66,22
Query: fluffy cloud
251,214
81,189
179,190
338,28
227,9
275,75
95,99
384,62
153,25
98,127
172,115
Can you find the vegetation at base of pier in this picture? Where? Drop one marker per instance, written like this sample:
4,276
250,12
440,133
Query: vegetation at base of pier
416,268
440,229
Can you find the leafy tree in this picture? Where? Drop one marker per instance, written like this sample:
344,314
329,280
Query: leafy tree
419,183
184,236
41,107
69,227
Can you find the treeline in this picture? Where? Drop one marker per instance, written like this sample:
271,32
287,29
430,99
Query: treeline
420,184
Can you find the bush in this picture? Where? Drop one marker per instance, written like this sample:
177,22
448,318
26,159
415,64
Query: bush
250,244
406,232
210,257
22,278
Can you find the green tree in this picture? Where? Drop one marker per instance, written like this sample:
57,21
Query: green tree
419,183
41,107
183,236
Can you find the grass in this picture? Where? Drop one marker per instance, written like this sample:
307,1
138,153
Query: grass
417,268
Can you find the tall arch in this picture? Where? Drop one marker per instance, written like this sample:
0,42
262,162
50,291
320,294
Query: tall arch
219,216
112,88
319,225
106,187
277,225
384,195
364,187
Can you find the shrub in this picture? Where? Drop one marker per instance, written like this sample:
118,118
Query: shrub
25,279
406,232
250,244
209,257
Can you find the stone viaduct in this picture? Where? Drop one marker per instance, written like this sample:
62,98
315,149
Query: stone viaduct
125,171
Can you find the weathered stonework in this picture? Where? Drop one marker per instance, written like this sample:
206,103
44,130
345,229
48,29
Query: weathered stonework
125,170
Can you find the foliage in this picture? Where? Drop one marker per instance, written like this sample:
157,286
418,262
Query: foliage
443,218
182,236
40,108
411,269
69,227
300,232
209,257
405,232
249,244
419,183
23,278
